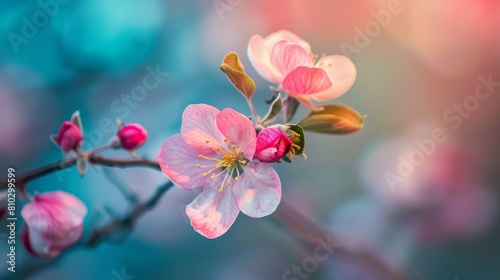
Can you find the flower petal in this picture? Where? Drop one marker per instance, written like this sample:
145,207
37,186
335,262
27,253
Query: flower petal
342,74
37,245
198,126
306,80
275,37
76,209
258,191
178,163
260,57
212,213
239,130
46,214
287,56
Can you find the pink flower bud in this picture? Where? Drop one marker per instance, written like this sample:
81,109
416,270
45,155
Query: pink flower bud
132,136
69,136
55,222
272,145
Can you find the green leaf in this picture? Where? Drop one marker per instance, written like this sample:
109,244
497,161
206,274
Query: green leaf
292,105
274,111
232,67
334,119
296,134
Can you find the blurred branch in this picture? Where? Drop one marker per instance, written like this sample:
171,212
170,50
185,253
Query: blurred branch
359,251
128,220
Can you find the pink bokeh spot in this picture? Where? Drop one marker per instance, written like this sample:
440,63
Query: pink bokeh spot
215,151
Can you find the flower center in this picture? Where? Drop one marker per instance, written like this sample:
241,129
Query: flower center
314,58
229,161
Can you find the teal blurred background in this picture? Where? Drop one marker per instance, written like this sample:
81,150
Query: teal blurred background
420,64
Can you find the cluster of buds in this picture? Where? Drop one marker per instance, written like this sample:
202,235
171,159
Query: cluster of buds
54,220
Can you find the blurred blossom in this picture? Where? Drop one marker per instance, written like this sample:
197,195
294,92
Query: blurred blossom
96,35
26,108
320,18
452,37
55,222
444,192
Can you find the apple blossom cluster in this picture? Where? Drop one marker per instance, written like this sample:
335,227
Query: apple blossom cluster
229,156
226,154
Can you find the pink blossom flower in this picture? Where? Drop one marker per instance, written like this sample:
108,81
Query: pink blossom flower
214,151
272,145
284,58
55,221
132,136
69,136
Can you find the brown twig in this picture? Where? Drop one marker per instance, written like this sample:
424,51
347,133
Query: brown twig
23,179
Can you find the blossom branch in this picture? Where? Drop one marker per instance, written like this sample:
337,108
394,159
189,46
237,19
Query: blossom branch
304,227
63,164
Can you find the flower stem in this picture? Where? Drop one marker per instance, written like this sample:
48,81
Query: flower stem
252,108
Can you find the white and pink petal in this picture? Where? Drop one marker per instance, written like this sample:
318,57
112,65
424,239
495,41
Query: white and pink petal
199,128
239,130
258,191
287,56
178,163
342,73
212,213
260,57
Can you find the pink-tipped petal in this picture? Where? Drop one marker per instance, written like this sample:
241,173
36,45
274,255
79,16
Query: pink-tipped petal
198,126
342,74
306,80
76,209
286,57
212,213
260,57
178,163
239,130
286,35
258,191
51,213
